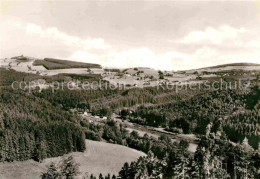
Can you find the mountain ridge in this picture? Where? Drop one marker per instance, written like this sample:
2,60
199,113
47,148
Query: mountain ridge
54,63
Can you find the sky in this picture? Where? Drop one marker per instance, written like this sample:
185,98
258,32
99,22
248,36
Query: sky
166,35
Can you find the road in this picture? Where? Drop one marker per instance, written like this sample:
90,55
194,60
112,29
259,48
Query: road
150,131
157,132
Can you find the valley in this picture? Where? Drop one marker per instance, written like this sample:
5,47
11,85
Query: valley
130,78
150,131
148,124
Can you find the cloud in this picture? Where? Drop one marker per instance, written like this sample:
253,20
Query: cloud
34,40
214,35
204,53
134,57
253,44
54,33
145,57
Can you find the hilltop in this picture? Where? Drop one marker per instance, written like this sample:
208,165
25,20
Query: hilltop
57,66
130,77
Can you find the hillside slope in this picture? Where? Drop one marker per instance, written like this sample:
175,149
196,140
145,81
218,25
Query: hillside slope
99,157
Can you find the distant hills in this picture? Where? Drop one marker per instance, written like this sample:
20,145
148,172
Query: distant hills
235,64
228,67
49,65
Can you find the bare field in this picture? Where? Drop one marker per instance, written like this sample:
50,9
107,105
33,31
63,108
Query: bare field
100,157
52,64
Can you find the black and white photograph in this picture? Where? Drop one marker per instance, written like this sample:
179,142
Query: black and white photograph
129,89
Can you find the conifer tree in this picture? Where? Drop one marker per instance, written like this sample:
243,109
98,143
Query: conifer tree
52,172
69,168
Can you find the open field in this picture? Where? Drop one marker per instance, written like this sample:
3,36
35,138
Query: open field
51,64
132,77
62,71
21,65
49,67
99,157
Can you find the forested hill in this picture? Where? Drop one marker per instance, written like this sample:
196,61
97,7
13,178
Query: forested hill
187,111
37,124
33,128
235,112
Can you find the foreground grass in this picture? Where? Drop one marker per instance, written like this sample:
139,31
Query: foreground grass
99,157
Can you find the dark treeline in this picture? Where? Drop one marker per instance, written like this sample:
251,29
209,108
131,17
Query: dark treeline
38,125
188,111
32,128
215,157
115,133
237,111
